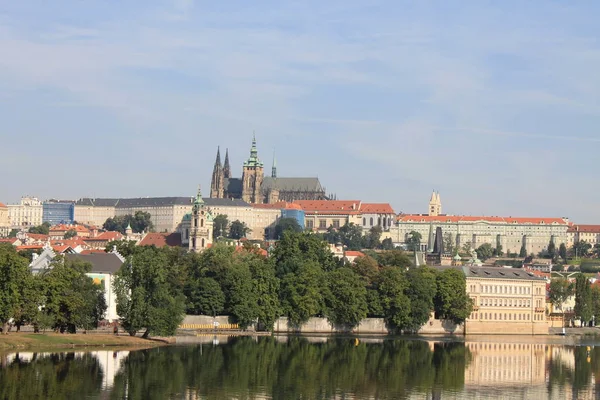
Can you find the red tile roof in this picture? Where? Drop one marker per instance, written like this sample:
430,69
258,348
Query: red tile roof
37,236
352,253
9,240
161,239
2,205
376,208
73,242
108,236
66,228
30,247
585,228
459,218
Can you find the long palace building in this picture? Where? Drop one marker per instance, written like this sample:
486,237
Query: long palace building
510,232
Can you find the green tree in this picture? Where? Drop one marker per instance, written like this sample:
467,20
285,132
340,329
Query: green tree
266,287
583,299
421,292
451,300
560,290
413,242
387,244
394,258
498,251
449,243
241,302
14,274
123,247
373,239
140,222
13,233
392,286
466,247
366,267
31,299
70,234
238,230
146,299
551,250
485,251
562,252
301,292
351,236
286,224
346,298
43,229
71,297
523,251
205,297
332,236
581,249
220,224
294,249
596,304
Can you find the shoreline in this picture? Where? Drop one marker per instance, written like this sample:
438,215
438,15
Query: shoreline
16,341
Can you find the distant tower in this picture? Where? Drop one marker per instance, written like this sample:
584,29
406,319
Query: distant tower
274,168
226,168
202,225
252,176
128,230
217,183
435,204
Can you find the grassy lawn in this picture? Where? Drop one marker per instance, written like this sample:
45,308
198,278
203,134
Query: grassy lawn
57,340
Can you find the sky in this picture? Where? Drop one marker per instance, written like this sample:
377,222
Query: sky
494,104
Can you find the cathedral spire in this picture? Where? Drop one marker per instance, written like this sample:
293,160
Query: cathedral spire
216,183
218,160
226,168
274,168
253,161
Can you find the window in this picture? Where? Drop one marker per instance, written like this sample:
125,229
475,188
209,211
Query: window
310,224
322,224
336,223
202,223
364,221
202,243
195,222
371,221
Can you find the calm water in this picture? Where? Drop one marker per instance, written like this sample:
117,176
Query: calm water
310,368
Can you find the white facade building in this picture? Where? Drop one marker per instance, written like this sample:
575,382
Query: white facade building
26,214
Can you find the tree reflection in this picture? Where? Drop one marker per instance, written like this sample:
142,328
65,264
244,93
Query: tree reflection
247,368
51,376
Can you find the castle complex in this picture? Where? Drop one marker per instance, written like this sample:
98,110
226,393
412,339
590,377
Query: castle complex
255,188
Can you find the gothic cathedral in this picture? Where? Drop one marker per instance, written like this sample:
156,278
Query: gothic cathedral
254,187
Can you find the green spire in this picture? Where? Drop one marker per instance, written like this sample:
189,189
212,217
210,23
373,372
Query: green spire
253,161
199,201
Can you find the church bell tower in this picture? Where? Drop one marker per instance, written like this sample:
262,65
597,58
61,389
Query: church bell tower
435,204
201,231
252,176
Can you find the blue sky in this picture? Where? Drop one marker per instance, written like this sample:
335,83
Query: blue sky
494,104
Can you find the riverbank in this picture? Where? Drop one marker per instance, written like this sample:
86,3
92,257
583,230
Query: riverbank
15,341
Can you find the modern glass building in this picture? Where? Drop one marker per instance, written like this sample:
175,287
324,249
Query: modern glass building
58,212
294,211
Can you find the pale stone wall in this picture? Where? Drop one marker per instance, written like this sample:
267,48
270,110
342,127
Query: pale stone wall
164,218
4,222
25,215
91,215
511,236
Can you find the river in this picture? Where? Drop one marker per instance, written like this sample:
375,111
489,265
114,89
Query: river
311,368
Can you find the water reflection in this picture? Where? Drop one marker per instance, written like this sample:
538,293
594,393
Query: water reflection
308,368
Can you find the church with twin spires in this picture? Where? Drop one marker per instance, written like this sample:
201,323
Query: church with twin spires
255,187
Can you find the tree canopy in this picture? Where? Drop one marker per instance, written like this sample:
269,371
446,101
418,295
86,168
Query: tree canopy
286,224
140,222
43,229
220,224
238,230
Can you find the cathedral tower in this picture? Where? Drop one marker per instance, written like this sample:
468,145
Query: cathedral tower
201,231
252,176
226,168
435,204
217,183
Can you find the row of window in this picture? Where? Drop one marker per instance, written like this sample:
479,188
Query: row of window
506,316
505,289
486,302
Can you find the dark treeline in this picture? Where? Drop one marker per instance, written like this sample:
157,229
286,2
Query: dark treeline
300,279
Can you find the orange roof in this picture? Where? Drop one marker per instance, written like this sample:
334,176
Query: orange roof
352,253
9,240
37,236
61,248
2,205
585,228
377,208
459,218
63,227
161,239
108,236
74,242
330,206
29,247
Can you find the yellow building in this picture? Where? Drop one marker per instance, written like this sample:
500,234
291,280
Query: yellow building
505,301
4,221
27,213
